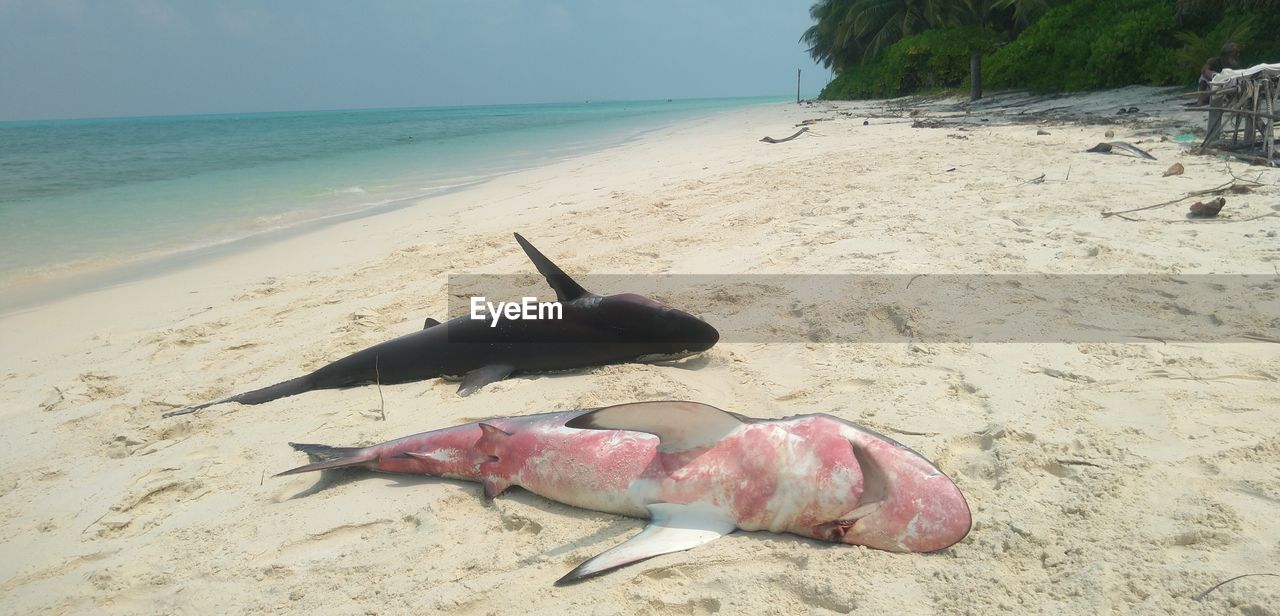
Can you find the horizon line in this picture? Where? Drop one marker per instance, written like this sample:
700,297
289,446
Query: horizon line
391,108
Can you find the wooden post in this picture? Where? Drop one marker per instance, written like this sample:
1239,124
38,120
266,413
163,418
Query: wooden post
797,86
975,77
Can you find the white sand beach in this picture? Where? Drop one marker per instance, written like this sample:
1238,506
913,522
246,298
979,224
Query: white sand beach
1103,477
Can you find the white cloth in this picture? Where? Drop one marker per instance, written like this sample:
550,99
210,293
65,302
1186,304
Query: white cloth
1229,76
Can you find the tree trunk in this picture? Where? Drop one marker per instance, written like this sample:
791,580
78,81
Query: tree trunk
975,77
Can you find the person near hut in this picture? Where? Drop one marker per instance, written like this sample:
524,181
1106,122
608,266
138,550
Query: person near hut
1229,57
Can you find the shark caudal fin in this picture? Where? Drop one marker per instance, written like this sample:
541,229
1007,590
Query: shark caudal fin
325,457
566,289
284,389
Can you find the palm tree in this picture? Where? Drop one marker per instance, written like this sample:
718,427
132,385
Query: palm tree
849,33
827,41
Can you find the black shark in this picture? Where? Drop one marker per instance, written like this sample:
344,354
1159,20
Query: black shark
594,330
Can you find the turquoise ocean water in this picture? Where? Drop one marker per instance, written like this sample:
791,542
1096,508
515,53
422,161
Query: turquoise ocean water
81,193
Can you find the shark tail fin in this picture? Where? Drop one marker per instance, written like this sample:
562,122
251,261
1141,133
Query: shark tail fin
282,389
325,457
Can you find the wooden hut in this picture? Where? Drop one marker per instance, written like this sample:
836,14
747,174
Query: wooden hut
1243,111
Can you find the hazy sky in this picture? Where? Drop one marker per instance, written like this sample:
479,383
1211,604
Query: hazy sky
88,58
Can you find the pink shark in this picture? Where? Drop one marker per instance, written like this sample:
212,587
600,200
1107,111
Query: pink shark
707,473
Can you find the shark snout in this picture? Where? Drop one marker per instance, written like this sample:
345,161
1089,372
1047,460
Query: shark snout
907,503
923,513
702,335
686,331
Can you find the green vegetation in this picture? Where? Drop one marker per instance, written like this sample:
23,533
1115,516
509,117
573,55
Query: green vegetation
930,60
884,48
1092,44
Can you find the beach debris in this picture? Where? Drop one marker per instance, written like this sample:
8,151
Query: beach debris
1201,596
1206,209
1235,186
785,139
1067,376
866,122
1127,110
927,123
1043,132
53,400
812,121
1174,169
366,317
1109,134
1109,147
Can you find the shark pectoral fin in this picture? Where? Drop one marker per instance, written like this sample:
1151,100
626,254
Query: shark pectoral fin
429,323
679,425
474,380
494,487
566,289
672,528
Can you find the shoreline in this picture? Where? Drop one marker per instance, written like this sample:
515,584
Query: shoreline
1101,476
31,290
291,251
28,286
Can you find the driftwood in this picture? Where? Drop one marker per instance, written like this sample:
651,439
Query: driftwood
1229,187
1256,114
785,139
1198,94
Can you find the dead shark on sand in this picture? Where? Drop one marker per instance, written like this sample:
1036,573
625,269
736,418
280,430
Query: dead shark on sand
592,330
707,473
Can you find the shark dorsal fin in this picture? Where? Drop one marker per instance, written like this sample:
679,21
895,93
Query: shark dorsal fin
566,289
679,425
